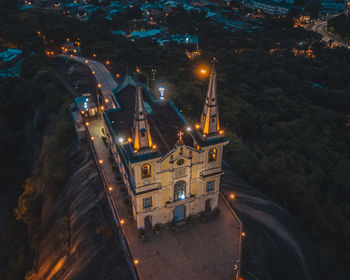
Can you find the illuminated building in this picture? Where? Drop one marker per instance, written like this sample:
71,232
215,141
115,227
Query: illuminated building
170,169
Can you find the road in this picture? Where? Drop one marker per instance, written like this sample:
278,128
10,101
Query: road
320,27
104,79
278,246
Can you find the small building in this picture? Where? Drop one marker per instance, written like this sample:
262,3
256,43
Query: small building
85,105
78,122
10,62
171,169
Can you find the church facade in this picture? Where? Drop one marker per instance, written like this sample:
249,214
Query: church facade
171,169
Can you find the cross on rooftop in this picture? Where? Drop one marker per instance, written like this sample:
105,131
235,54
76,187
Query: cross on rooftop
180,134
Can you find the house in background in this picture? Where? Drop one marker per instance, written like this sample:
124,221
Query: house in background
10,62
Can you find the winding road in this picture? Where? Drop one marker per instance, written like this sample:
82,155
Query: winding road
103,76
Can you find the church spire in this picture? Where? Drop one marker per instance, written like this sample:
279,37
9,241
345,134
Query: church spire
210,115
142,135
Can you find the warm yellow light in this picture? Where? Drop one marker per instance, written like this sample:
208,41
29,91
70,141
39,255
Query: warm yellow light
52,53
118,75
99,85
203,71
102,108
94,55
197,126
92,137
87,123
83,112
108,62
232,196
47,53
100,161
75,51
106,100
154,146
71,55
138,70
221,131
110,188
93,72
86,61
129,139
67,39
136,261
122,221
243,234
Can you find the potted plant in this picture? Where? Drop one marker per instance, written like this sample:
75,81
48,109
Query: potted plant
202,216
216,212
189,220
173,225
142,233
157,228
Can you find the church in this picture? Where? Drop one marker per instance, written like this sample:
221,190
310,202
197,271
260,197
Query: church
171,168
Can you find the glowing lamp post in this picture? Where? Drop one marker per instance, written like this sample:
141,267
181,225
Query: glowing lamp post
161,93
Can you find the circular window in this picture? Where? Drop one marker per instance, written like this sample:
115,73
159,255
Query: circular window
180,161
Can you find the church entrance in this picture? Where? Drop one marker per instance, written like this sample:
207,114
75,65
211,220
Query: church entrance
207,206
148,223
179,213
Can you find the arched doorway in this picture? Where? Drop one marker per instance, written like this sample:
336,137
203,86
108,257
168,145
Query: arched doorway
207,208
148,223
179,213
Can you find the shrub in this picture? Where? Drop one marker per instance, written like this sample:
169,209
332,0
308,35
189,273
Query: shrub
216,211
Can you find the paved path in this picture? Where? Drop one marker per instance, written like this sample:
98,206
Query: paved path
103,77
205,251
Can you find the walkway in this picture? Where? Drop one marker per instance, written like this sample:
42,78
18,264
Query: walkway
103,77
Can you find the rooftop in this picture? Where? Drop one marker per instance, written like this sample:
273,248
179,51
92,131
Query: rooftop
164,120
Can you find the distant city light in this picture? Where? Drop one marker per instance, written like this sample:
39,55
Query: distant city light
86,61
99,85
108,62
100,161
197,126
92,138
106,100
154,146
136,261
121,140
243,234
129,139
188,128
87,123
110,188
122,221
232,196
161,93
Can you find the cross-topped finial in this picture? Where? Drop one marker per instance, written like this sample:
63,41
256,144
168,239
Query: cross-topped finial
180,134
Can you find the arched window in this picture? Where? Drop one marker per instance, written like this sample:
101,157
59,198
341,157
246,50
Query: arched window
213,153
180,190
146,170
